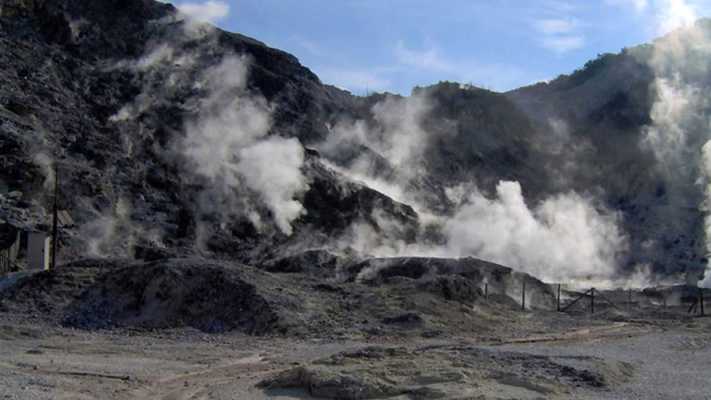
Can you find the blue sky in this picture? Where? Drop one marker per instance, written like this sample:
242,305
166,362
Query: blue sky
394,45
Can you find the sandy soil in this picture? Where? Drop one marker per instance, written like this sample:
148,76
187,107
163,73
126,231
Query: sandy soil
632,360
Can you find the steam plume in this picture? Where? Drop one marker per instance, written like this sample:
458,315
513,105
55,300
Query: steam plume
567,237
564,238
679,134
228,144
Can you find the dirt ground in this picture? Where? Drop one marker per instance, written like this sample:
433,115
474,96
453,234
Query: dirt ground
614,360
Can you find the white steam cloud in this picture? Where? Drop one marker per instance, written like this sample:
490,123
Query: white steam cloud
228,144
565,238
46,165
112,232
398,136
681,129
209,11
227,150
562,239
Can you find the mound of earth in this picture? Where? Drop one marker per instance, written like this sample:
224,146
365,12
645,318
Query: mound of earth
316,262
45,294
309,295
454,278
208,296
446,372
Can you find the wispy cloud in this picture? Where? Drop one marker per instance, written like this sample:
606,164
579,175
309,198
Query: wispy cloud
310,46
355,79
637,5
563,43
209,11
429,58
556,26
433,59
430,63
560,35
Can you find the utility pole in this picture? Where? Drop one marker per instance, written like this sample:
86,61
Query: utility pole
592,301
55,222
701,300
629,299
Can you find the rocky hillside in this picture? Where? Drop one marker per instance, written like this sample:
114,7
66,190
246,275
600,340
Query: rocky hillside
172,138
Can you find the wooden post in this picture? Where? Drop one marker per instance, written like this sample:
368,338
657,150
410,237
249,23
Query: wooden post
592,301
629,299
558,299
701,301
486,290
523,295
55,223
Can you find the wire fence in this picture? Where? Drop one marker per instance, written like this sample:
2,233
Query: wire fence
593,299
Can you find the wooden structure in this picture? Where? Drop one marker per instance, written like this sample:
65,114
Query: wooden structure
9,248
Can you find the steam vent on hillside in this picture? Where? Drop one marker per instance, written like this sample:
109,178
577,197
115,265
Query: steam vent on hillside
355,200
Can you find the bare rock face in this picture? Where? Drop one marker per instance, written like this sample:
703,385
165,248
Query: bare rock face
62,111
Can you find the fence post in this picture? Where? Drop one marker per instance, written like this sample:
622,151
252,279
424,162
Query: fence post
629,299
592,301
486,290
523,295
55,219
701,300
558,299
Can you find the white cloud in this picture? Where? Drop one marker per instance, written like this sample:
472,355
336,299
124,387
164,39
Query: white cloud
555,26
559,30
429,59
563,44
209,11
637,5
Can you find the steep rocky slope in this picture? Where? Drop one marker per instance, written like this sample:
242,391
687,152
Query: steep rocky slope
137,106
604,113
62,92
